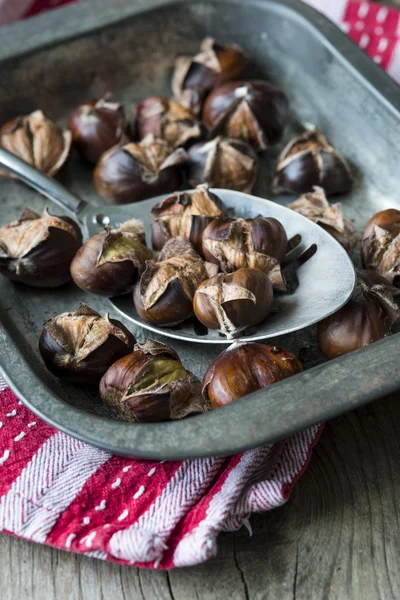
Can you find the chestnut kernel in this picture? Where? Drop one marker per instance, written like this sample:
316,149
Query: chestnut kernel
152,385
80,346
231,302
185,214
309,160
246,367
133,172
380,245
38,250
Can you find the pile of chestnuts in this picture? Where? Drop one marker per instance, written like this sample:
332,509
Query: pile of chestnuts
204,263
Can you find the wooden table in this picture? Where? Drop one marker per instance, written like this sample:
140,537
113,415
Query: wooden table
337,538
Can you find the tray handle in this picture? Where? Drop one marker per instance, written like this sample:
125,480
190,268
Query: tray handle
40,182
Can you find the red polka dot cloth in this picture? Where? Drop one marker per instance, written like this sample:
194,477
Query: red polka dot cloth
59,491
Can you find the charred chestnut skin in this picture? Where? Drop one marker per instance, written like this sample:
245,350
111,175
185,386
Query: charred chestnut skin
366,318
246,367
255,111
61,356
380,245
234,301
96,126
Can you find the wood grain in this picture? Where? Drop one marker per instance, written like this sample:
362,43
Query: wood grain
337,538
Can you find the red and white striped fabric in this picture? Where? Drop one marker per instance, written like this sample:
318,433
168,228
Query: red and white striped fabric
59,491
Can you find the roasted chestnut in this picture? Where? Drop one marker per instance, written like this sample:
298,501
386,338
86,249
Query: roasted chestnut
166,119
246,367
178,246
110,262
367,317
185,214
133,172
194,76
38,141
330,217
308,161
38,250
80,346
232,302
380,245
259,243
223,163
254,111
96,126
152,385
164,295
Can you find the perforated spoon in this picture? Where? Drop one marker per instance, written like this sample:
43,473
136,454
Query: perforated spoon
326,275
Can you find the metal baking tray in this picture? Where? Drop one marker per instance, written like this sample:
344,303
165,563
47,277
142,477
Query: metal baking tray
57,60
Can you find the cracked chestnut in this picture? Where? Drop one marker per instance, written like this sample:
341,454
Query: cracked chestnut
259,243
38,250
246,367
310,160
185,214
110,263
254,111
133,172
96,126
80,346
151,385
380,245
231,302
366,318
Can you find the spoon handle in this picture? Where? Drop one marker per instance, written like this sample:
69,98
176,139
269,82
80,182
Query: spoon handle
40,182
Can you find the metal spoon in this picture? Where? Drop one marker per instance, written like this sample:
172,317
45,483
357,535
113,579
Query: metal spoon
326,276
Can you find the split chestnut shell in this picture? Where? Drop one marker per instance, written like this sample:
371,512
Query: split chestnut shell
380,245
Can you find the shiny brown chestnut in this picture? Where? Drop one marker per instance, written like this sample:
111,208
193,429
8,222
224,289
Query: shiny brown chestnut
152,385
164,295
38,250
185,214
309,160
254,111
366,318
246,367
330,217
166,119
38,141
232,302
80,346
259,243
111,262
96,126
194,76
133,172
380,245
224,163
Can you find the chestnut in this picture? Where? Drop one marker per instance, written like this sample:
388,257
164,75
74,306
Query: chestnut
166,119
133,172
254,111
194,76
259,243
380,245
38,250
109,263
231,302
38,141
223,163
96,126
185,214
309,160
246,367
330,217
367,317
151,385
164,294
80,346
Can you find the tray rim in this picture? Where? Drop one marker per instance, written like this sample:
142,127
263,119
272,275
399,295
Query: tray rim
345,383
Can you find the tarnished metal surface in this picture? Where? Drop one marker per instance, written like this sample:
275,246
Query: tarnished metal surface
330,84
